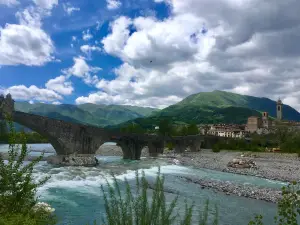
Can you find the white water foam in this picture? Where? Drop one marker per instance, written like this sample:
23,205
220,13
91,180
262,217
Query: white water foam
89,180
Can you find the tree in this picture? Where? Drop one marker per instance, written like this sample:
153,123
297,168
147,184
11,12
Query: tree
192,129
17,185
3,131
133,128
165,127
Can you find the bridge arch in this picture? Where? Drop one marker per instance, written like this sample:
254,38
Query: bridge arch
69,138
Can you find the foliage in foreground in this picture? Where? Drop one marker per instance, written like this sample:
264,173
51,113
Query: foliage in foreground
136,208
288,208
17,188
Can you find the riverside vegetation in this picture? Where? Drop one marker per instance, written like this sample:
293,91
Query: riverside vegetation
31,137
19,204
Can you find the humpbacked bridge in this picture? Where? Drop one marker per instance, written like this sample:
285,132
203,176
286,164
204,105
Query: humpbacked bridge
69,138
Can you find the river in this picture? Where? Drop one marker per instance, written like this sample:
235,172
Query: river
75,192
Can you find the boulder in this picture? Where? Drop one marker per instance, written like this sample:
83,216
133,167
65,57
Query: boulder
73,160
241,163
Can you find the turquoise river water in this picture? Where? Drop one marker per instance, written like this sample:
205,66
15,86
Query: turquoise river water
75,192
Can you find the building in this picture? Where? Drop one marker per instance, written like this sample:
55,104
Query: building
264,124
253,124
227,130
279,110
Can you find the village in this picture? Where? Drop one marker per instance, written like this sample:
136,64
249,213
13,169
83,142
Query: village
255,125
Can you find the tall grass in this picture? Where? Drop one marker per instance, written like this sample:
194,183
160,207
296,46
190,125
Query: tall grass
135,207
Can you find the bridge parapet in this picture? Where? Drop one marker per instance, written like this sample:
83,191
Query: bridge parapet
7,105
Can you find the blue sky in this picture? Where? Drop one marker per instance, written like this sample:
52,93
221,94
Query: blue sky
147,52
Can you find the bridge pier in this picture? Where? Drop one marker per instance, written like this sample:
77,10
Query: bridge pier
195,146
155,148
179,146
132,149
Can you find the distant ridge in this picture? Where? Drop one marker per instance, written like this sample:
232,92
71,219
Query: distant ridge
204,107
216,107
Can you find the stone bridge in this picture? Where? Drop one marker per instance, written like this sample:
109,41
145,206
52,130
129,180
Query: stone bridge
69,138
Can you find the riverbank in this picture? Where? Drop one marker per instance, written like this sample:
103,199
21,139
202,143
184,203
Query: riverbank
273,166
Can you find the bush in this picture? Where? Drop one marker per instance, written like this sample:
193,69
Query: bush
136,209
17,188
216,148
288,208
170,146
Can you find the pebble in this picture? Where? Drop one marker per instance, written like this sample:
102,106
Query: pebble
249,191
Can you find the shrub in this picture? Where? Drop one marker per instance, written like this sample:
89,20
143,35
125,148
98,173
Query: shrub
170,146
17,188
137,209
288,207
216,148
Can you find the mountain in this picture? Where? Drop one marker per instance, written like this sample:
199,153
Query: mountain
203,107
216,107
210,101
97,115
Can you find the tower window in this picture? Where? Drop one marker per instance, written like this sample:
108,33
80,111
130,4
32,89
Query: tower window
278,108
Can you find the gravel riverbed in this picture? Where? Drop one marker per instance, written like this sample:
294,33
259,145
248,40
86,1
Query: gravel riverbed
273,166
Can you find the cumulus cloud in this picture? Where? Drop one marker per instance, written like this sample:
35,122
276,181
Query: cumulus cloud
9,2
241,48
46,4
113,4
30,16
69,9
60,85
32,93
82,70
104,98
26,45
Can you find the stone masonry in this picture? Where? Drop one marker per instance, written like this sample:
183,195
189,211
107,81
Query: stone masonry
72,138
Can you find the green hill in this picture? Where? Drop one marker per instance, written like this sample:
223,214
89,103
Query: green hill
98,115
204,107
216,107
209,102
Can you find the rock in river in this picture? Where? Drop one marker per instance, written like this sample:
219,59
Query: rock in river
73,160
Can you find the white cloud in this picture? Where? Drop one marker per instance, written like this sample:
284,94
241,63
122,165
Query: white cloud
46,4
60,85
21,92
69,9
87,49
56,103
9,2
86,35
104,98
200,47
115,42
27,45
82,70
113,4
30,16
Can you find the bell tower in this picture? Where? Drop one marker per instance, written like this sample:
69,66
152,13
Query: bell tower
279,109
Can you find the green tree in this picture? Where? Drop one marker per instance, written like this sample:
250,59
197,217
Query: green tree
165,127
3,131
133,128
192,129
17,186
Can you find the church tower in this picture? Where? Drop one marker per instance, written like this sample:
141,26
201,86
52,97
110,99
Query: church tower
279,109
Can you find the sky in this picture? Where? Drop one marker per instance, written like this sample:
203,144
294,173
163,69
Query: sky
148,52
